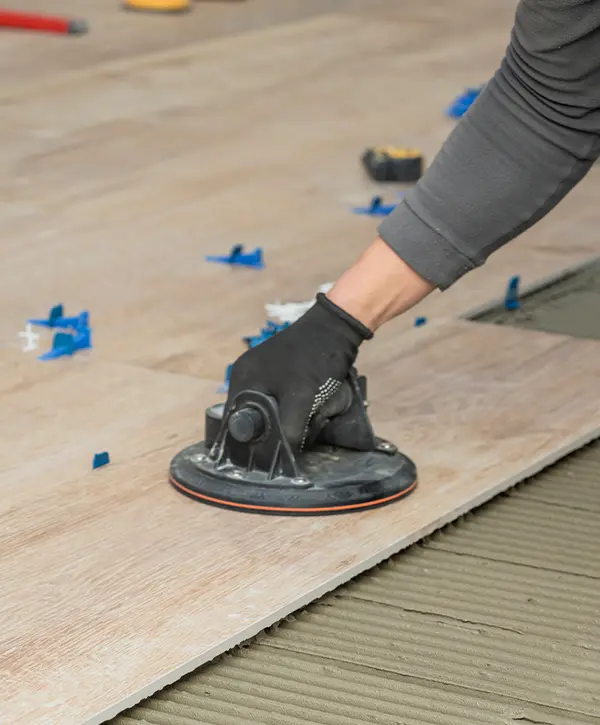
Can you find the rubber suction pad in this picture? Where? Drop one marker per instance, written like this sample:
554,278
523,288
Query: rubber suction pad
245,462
333,482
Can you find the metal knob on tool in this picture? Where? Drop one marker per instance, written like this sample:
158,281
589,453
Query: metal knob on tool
246,424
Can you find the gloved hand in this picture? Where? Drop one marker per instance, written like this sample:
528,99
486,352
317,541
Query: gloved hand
302,366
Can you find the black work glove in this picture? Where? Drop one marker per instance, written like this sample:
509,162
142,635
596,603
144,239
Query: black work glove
302,366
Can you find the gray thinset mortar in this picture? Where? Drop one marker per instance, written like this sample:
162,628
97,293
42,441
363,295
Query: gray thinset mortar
569,306
494,619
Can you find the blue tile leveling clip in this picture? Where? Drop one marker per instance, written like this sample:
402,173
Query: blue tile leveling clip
100,459
375,208
511,300
56,313
238,258
462,104
271,328
66,343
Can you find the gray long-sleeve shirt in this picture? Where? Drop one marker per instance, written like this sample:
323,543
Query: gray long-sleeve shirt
531,136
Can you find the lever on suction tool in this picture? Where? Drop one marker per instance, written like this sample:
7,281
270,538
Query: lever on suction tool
252,438
246,424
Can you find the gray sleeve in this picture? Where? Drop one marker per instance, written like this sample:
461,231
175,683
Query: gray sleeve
529,138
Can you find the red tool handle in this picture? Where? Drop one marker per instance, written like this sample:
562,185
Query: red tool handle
41,23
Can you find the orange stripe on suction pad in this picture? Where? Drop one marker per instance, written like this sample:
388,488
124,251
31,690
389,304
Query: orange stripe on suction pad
251,507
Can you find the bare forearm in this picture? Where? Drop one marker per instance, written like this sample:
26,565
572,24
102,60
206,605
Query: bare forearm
379,286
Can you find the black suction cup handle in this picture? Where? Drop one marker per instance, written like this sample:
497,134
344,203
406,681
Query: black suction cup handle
246,424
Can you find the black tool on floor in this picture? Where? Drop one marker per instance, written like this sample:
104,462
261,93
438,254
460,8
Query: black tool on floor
393,164
246,463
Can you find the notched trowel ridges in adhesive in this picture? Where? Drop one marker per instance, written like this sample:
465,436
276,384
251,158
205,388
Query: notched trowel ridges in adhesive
533,535
441,634
558,491
265,686
567,306
479,592
474,657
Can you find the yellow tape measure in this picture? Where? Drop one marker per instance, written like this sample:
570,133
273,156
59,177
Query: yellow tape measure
396,152
393,163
